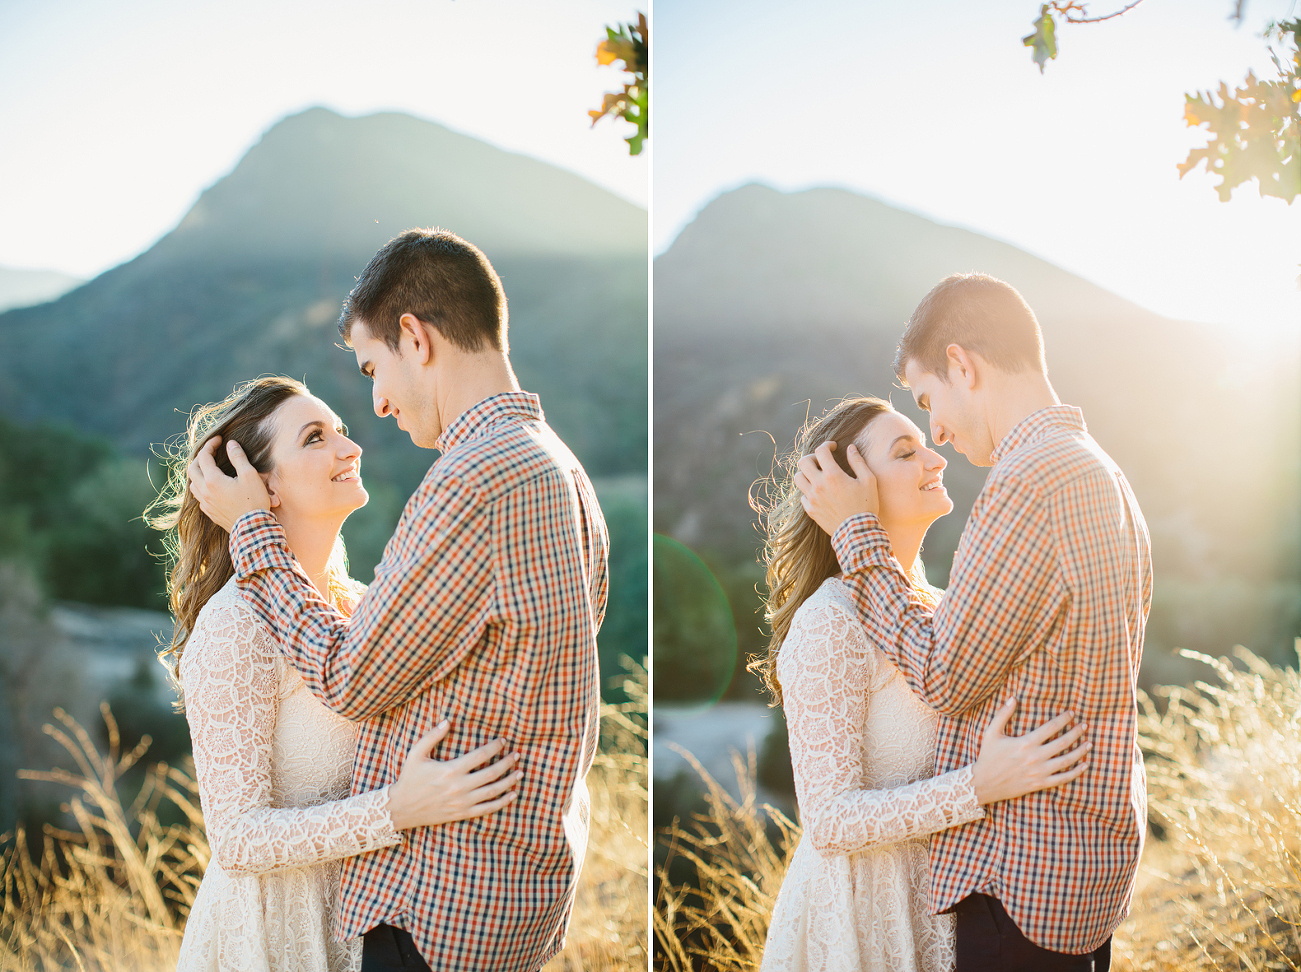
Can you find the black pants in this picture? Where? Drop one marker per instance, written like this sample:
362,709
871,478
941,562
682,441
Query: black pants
388,949
989,941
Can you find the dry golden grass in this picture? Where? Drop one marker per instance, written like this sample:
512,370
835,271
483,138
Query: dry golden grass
113,895
608,930
1222,891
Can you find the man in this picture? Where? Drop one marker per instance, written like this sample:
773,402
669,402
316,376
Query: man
1047,602
484,609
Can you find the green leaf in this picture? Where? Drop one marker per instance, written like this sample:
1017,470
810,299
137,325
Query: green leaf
1044,39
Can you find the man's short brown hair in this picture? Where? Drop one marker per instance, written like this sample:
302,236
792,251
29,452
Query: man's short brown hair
440,278
979,313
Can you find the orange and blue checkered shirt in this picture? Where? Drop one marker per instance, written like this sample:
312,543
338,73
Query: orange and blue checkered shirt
484,610
1047,601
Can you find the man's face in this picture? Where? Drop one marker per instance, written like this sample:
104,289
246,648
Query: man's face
397,385
953,416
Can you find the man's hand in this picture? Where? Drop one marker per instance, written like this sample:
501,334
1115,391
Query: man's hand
224,499
830,496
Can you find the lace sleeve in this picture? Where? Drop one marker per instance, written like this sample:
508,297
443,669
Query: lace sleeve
229,678
826,689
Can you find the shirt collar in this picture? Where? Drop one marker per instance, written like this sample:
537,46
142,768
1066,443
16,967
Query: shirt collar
1038,424
476,418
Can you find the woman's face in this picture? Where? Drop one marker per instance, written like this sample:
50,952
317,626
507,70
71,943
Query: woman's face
316,469
909,476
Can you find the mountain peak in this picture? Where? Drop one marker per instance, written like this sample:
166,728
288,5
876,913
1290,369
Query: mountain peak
318,184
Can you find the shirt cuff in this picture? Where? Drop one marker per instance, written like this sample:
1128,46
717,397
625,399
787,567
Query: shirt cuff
860,542
257,541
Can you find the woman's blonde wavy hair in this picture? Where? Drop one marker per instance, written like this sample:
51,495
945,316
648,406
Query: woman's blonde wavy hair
198,551
797,552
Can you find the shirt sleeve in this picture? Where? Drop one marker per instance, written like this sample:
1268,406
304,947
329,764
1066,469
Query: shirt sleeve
230,703
426,608
826,695
1004,600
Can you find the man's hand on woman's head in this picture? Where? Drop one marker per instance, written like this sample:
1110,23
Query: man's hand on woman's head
830,496
224,499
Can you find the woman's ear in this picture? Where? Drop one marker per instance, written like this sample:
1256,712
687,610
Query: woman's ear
270,482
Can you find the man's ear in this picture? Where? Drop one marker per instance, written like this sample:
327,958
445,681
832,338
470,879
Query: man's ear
962,367
415,333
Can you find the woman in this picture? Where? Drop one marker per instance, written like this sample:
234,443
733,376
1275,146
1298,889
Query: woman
274,765
862,744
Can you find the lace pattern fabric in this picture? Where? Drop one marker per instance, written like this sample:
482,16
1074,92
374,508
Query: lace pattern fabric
863,750
274,769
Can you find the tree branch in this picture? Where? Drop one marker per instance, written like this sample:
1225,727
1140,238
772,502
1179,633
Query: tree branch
1065,9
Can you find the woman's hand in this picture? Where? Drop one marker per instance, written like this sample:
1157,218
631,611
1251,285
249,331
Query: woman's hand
432,791
1012,766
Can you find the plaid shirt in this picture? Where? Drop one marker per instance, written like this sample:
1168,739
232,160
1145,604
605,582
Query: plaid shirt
484,610
1047,601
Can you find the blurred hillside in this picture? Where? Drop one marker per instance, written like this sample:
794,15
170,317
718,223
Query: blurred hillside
769,306
21,288
251,282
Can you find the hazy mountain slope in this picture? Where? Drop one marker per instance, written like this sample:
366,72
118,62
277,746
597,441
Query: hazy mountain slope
319,184
22,288
252,279
769,304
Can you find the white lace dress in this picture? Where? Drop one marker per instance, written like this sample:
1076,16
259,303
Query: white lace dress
274,769
854,898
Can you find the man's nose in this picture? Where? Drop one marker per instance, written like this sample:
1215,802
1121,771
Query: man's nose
939,435
381,404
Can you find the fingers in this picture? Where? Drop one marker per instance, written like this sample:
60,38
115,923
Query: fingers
493,770
1066,740
807,468
237,459
1074,773
1059,763
477,757
858,463
998,724
204,464
493,790
423,747
1049,728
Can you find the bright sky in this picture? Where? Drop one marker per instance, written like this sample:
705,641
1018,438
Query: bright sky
936,107
115,116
